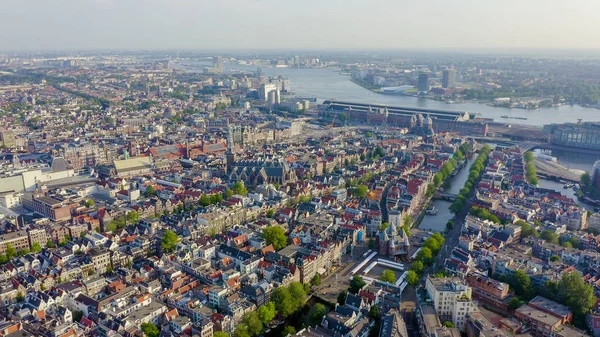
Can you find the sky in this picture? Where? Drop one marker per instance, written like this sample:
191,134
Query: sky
42,25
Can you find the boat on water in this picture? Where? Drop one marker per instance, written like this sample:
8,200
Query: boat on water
567,185
522,118
504,116
431,211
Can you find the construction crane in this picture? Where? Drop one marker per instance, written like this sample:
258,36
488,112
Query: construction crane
333,122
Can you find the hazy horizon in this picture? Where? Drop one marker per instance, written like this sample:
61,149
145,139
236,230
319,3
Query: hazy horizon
36,25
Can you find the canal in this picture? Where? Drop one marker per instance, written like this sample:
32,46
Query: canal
437,223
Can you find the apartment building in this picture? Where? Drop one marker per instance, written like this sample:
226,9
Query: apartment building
451,298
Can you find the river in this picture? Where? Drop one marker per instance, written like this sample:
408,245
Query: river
328,83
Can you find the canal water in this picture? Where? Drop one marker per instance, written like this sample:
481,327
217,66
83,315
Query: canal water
437,223
572,159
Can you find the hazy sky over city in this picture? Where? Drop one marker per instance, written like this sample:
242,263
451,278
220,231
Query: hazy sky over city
298,24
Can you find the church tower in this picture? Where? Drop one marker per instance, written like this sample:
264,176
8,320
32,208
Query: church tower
230,155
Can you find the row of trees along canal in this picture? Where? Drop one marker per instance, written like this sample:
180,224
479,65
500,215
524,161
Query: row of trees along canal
475,172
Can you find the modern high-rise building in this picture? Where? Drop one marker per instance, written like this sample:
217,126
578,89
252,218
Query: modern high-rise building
423,82
218,64
449,78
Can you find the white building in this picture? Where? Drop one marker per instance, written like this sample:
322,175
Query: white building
10,199
451,298
265,89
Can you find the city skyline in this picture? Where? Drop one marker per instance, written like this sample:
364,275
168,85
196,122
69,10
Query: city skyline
181,24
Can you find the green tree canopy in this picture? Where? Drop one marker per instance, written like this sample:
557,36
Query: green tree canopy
316,314
514,303
576,294
550,236
298,294
425,255
267,312
220,334
150,330
10,251
283,301
361,191
375,312
204,200
35,247
417,267
288,330
169,241
150,191
133,217
253,322
341,299
388,276
412,278
316,280
356,284
239,188
275,235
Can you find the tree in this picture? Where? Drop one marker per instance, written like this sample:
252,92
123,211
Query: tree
341,299
150,191
204,200
283,301
514,303
3,259
239,188
555,258
426,256
417,267
567,244
361,191
316,314
77,315
526,230
575,293
35,247
150,330
133,217
371,243
375,312
448,324
49,243
216,199
550,236
220,334
298,295
23,252
412,278
169,241
253,323
20,297
89,203
316,280
275,235
288,330
383,226
228,193
388,276
267,312
356,284
270,213
241,331
521,282
432,244
575,242
10,251
585,180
